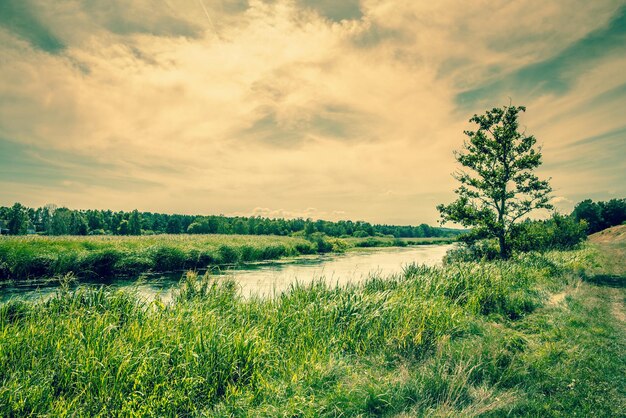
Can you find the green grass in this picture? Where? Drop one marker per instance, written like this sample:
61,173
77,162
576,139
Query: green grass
34,257
463,339
23,258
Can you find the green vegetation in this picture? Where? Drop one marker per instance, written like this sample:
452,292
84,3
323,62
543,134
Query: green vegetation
600,215
501,187
101,257
394,242
524,337
50,220
29,257
556,233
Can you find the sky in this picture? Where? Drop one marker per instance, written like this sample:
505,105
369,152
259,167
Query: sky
299,108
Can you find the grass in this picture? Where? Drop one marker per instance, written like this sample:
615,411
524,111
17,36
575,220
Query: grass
23,258
466,339
26,258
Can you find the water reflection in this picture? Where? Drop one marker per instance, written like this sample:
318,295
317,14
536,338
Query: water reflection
269,278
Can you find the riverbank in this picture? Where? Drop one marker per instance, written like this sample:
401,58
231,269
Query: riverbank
23,258
34,257
260,278
524,337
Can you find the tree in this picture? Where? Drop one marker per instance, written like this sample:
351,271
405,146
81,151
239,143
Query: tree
18,220
613,212
173,225
601,215
78,224
591,212
122,228
134,223
500,187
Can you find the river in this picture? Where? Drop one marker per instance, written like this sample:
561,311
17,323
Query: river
269,278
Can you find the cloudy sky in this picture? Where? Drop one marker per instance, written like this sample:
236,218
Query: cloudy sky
332,109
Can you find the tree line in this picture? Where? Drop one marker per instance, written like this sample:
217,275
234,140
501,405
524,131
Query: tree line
600,215
51,220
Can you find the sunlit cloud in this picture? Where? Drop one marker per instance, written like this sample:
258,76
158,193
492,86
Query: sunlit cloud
276,107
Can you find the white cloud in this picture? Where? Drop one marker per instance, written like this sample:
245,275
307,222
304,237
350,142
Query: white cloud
284,109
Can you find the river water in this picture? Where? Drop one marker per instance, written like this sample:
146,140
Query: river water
270,278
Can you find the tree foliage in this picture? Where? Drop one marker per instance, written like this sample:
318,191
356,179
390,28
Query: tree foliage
499,186
50,220
600,215
560,232
17,221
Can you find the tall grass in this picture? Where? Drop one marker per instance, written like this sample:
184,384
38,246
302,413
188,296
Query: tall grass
30,257
381,347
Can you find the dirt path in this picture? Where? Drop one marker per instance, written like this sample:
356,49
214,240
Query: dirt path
557,298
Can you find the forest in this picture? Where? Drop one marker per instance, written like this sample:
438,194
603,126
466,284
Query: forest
51,220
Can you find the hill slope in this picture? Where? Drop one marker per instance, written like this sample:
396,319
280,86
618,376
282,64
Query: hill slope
615,234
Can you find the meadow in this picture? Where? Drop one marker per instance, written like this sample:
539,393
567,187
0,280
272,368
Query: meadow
532,336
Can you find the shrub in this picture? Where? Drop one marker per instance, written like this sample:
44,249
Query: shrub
370,242
228,255
100,263
319,239
168,259
397,242
485,249
305,248
249,253
273,252
557,233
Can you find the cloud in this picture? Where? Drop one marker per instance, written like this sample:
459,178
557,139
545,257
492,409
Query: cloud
352,108
556,74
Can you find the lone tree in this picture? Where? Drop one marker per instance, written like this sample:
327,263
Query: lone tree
500,187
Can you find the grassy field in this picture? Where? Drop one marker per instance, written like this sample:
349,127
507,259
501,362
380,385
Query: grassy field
34,257
526,337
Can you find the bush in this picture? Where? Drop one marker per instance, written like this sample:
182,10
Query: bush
370,242
273,252
397,242
249,253
557,233
485,250
168,259
228,255
305,248
339,245
319,239
100,263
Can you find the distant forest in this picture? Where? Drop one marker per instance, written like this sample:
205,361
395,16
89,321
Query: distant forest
52,220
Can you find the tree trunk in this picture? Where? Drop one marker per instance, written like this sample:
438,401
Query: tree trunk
504,248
